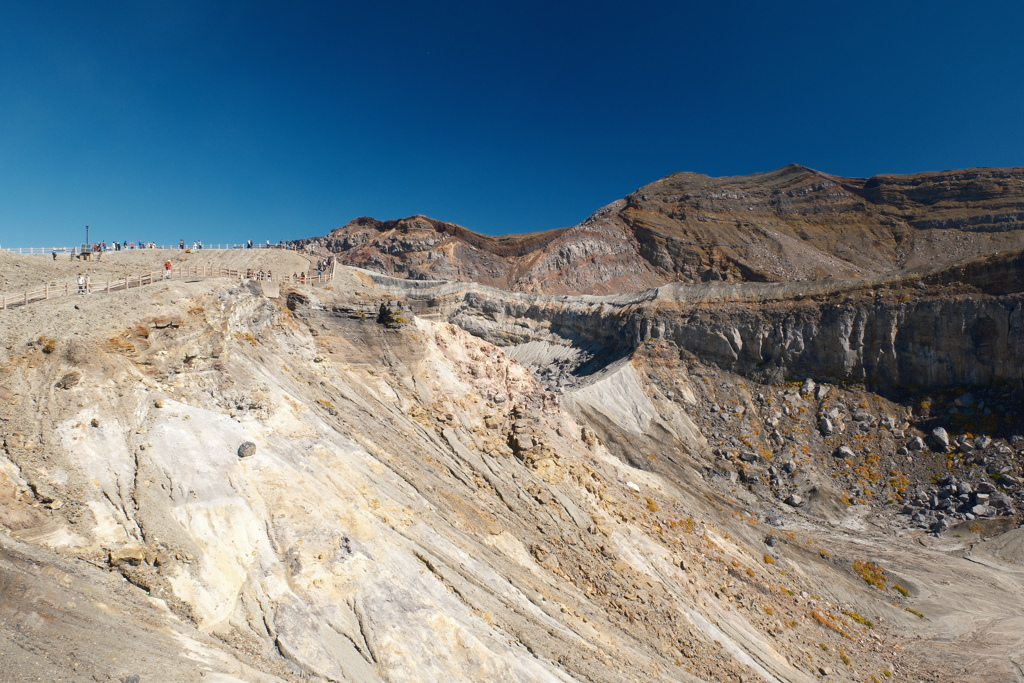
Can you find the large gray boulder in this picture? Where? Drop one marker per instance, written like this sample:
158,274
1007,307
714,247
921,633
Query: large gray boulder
940,438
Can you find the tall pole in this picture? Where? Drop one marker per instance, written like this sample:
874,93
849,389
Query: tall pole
87,234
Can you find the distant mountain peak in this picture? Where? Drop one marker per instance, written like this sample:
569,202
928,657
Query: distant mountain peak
792,223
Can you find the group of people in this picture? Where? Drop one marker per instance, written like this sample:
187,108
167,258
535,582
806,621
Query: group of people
198,244
99,248
323,265
119,246
85,284
268,275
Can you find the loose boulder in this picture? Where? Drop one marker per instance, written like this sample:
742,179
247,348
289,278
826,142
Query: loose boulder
844,452
247,449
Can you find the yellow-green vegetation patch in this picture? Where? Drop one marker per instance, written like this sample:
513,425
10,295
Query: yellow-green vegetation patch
872,574
859,618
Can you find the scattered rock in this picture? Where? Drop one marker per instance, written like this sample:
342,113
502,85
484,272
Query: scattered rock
965,400
940,438
983,511
69,380
521,442
132,554
247,449
844,452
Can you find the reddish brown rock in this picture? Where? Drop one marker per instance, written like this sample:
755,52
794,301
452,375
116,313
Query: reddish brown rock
790,224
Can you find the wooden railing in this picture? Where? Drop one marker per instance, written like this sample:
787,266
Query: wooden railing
190,273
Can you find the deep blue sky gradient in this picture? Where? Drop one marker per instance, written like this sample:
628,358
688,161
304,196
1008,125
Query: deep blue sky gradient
233,119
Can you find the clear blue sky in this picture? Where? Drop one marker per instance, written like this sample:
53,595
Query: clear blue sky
229,119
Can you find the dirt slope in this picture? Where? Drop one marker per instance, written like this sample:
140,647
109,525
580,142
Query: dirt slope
21,271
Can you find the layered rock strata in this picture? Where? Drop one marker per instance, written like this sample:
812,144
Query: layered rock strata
791,224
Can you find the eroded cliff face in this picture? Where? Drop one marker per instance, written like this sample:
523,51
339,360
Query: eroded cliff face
893,334
792,224
879,340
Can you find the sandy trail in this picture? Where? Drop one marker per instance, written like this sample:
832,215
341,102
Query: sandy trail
19,271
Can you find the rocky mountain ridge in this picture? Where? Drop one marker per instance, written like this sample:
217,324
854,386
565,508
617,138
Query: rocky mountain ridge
791,224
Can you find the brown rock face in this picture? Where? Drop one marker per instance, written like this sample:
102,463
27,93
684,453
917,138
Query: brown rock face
791,224
799,224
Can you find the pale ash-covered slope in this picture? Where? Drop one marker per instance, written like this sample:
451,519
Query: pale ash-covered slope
794,223
419,507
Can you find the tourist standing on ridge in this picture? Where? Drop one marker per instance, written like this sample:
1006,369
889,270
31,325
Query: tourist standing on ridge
81,284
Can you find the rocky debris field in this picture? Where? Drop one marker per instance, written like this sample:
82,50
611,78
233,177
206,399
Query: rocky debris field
389,480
